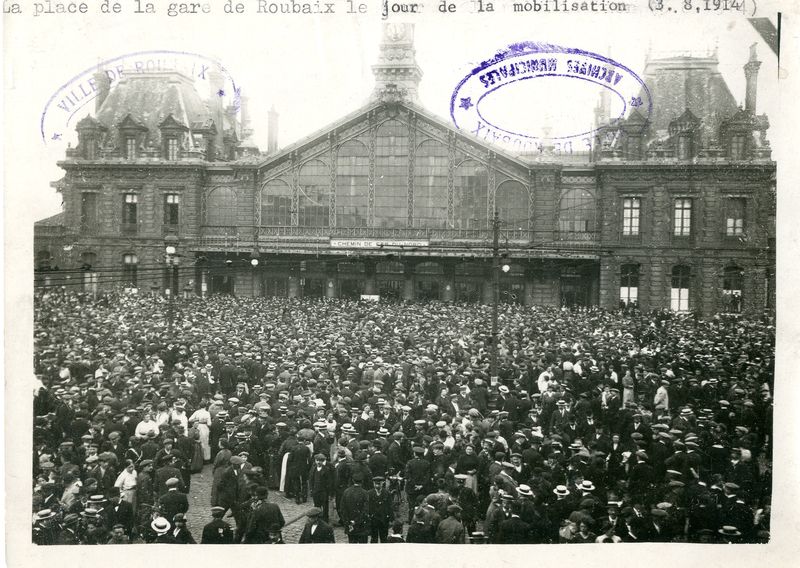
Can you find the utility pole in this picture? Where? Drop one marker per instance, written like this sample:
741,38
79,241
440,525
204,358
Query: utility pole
495,291
171,259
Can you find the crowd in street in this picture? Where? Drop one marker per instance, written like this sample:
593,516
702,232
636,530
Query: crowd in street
387,420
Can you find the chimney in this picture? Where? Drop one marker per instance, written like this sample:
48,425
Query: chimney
103,82
751,75
217,85
244,109
272,130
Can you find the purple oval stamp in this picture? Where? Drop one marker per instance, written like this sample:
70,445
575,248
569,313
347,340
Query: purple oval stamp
73,99
532,94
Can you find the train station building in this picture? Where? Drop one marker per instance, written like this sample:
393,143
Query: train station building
392,201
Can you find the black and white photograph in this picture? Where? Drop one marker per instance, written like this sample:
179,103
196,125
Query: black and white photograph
489,273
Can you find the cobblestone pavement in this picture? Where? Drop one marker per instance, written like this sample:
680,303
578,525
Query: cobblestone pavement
200,510
199,513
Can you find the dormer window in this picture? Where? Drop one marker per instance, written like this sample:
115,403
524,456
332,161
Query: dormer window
171,149
684,147
737,146
634,147
90,148
130,147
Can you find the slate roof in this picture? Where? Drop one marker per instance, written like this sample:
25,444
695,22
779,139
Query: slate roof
149,98
56,220
683,83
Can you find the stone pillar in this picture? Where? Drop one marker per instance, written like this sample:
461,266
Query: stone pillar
370,286
408,281
449,283
607,282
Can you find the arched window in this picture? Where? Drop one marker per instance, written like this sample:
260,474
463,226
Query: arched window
130,264
470,195
576,212
314,189
352,185
629,284
221,207
391,175
732,284
430,185
389,267
429,268
470,269
276,204
679,296
511,202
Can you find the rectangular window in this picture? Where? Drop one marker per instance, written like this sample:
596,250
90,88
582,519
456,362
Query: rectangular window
172,149
129,269
91,147
737,147
679,292
679,301
130,147
88,211
129,213
683,217
634,147
629,285
684,148
631,208
171,209
734,216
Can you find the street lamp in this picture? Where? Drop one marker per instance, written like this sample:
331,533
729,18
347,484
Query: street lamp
171,260
496,292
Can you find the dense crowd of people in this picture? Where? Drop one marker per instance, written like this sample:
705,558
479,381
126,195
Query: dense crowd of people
386,420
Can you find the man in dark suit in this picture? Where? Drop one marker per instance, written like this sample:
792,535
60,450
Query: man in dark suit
514,530
560,417
381,514
180,532
173,501
119,512
232,492
321,483
262,519
354,512
316,530
217,531
378,462
166,472
418,478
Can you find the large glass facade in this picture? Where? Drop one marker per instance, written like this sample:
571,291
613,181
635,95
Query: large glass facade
276,204
221,207
313,200
511,202
470,195
352,185
430,185
391,175
576,213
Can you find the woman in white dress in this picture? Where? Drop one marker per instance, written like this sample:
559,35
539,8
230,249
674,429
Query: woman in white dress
202,418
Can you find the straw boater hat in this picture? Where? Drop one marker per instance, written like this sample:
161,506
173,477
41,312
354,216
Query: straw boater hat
160,525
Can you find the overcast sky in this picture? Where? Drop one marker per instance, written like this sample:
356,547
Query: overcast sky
314,70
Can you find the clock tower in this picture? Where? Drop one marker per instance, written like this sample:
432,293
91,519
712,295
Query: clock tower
397,74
